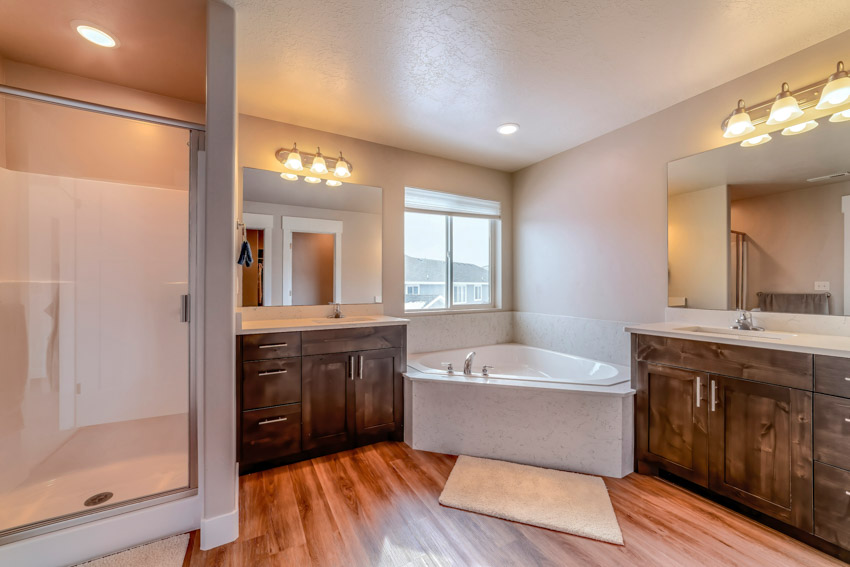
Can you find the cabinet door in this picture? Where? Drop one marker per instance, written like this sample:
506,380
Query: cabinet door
325,399
675,431
377,392
760,447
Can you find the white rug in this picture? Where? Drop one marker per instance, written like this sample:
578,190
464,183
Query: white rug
168,552
566,502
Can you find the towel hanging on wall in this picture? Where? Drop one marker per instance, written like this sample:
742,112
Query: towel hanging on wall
246,257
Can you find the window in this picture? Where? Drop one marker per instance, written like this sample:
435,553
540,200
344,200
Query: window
449,245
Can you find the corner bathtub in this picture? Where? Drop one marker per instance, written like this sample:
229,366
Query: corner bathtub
536,407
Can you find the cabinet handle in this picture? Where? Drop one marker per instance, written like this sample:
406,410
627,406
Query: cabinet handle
699,389
272,420
360,369
713,395
847,492
351,367
847,419
274,346
272,372
847,378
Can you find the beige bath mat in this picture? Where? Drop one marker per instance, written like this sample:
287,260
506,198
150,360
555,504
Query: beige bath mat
168,552
562,501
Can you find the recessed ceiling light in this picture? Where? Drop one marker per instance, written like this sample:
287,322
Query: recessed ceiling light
507,128
94,34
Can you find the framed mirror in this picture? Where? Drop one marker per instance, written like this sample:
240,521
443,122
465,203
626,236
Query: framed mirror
763,228
312,244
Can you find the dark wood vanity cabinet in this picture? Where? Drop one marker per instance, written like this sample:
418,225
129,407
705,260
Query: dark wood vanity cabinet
750,425
346,385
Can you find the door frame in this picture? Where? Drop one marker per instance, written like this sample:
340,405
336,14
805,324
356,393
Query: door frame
313,226
265,223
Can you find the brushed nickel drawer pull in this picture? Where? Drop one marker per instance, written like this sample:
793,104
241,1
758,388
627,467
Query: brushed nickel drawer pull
361,367
274,346
351,367
847,419
272,372
847,492
272,420
713,395
847,378
699,390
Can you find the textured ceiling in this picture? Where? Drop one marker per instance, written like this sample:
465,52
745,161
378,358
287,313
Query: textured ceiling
162,42
438,76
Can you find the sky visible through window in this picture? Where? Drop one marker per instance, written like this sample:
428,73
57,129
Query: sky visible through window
425,237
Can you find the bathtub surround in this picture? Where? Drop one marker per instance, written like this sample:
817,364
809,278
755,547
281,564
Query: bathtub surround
427,333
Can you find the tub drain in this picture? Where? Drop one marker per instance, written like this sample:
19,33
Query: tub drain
98,499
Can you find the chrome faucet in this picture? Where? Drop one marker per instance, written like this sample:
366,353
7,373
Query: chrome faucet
337,311
467,364
745,322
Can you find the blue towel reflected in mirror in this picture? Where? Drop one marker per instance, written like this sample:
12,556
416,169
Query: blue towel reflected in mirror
246,258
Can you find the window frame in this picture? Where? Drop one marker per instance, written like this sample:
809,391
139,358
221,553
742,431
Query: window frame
495,252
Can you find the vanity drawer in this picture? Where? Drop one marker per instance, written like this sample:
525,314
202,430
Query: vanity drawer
351,340
779,367
832,504
832,375
271,383
271,433
265,346
832,430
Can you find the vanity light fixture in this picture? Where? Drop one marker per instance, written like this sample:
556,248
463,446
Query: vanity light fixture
507,129
333,183
784,107
836,91
293,159
289,176
309,179
738,123
756,141
800,128
94,34
319,165
342,167
842,116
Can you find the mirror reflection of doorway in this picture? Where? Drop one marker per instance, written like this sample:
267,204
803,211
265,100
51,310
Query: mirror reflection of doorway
252,277
312,268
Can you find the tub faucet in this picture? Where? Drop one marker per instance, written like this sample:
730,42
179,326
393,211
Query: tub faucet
467,364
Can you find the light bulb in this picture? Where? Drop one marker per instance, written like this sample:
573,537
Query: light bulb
289,176
342,169
333,183
800,128
837,89
293,160
309,179
756,141
739,122
319,165
842,116
507,129
95,35
784,108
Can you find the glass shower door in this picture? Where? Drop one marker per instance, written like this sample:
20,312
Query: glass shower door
94,349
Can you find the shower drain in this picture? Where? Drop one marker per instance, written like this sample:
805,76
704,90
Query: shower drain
98,499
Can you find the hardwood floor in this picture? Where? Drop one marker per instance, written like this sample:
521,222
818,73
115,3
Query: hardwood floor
377,506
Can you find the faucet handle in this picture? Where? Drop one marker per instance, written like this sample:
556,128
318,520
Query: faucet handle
449,368
485,369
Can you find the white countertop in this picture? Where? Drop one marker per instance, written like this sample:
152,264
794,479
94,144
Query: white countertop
317,324
831,345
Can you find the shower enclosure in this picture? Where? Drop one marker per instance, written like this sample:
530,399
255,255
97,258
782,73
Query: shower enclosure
97,412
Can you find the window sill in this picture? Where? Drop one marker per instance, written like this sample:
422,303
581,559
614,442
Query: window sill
433,312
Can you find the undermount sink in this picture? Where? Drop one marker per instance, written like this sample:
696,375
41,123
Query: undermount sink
736,332
344,320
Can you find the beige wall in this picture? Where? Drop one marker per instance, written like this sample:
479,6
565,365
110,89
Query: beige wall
391,169
604,203
2,115
698,242
796,239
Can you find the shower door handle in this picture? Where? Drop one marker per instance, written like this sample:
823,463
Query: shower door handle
184,308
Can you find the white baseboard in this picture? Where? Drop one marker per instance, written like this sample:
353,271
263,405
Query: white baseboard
219,530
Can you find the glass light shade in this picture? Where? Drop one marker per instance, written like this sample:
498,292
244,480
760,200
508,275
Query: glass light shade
319,165
293,161
96,36
800,128
837,89
312,179
842,116
333,183
341,169
756,141
289,176
739,123
785,107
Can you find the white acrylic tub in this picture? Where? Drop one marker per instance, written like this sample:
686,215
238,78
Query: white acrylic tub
521,363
